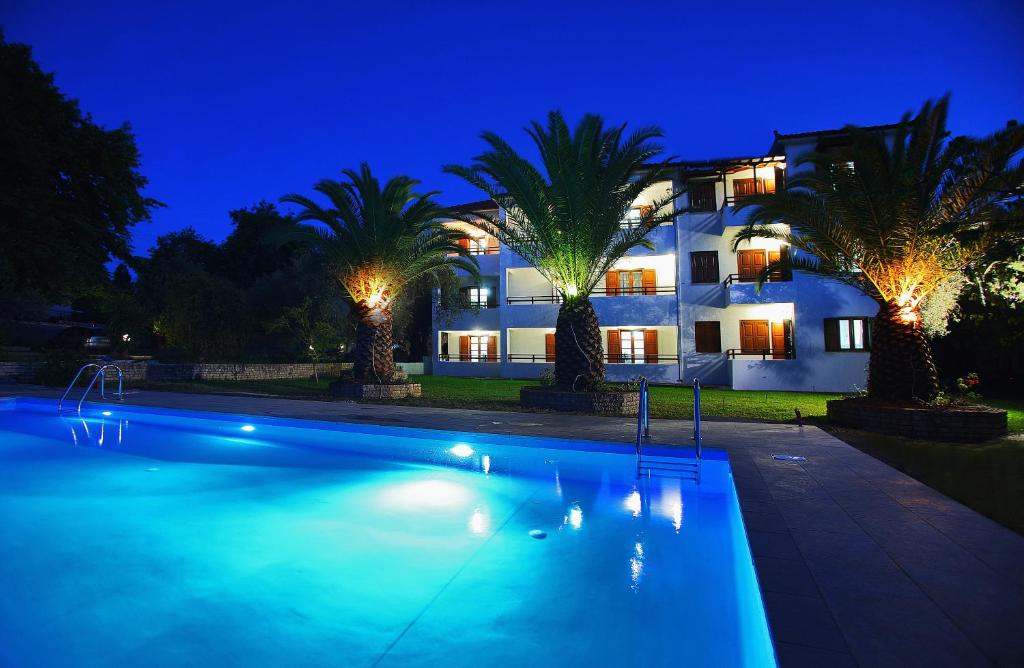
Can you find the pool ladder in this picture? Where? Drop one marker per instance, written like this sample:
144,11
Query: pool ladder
101,374
667,466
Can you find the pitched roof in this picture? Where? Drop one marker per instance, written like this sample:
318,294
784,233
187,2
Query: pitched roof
474,207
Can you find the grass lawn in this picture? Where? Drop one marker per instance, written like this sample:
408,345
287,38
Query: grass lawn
988,477
503,394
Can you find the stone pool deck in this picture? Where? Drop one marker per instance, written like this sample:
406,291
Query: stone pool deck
858,563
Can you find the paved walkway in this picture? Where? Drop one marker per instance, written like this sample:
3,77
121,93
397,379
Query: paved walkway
859,564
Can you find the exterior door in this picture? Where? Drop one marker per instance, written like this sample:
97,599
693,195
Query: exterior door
549,347
754,336
751,264
780,340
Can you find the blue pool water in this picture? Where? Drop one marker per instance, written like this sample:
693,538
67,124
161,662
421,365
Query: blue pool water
146,537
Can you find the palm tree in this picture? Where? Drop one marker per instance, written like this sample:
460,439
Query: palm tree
896,217
566,220
378,241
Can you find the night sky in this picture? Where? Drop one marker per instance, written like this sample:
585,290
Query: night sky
232,103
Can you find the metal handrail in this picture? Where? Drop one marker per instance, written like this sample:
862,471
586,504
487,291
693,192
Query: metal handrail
643,418
60,402
101,373
696,420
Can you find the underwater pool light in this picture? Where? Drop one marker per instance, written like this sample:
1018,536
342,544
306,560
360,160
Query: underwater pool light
461,450
248,427
106,413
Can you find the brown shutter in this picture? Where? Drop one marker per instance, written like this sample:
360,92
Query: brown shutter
492,245
832,335
611,283
779,341
751,263
774,256
650,281
492,348
549,347
651,346
464,242
645,211
787,275
704,266
708,336
754,336
614,346
463,348
780,179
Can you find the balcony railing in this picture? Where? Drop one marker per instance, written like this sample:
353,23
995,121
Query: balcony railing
447,357
615,292
609,359
763,353
775,277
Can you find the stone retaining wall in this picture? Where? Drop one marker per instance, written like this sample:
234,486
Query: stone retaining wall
607,403
972,424
357,391
19,372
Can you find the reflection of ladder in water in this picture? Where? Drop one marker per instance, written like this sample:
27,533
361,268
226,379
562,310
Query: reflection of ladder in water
667,467
101,374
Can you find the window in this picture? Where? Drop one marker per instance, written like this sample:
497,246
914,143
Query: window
704,267
630,282
847,334
702,196
745,187
634,217
478,348
633,346
751,263
478,296
708,335
485,245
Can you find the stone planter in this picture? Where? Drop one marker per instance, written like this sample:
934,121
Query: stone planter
605,403
357,391
958,424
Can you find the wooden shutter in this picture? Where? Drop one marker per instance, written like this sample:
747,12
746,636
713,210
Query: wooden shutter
832,335
751,264
444,344
492,245
492,348
779,341
645,211
779,256
614,346
492,296
549,347
464,242
463,348
745,187
650,281
708,336
651,346
702,195
780,179
754,336
704,267
611,283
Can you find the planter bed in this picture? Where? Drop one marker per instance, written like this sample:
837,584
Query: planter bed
958,424
359,391
605,403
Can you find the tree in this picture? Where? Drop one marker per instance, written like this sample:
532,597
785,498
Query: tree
249,252
895,216
318,329
70,190
566,220
378,240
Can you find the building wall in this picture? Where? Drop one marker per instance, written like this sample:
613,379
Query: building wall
806,300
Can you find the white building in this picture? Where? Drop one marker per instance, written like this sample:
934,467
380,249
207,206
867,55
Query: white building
688,309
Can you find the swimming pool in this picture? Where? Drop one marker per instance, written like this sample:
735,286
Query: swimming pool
136,536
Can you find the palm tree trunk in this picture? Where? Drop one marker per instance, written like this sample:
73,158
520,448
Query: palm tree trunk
579,354
374,357
901,365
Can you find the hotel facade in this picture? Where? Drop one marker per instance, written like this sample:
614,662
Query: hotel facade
687,309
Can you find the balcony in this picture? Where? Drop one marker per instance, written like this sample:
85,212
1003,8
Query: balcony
597,292
787,353
743,290
541,358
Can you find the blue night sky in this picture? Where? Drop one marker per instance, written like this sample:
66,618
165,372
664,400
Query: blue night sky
232,103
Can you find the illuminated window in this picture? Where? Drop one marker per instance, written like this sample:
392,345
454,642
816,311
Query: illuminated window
478,296
847,334
478,348
632,346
